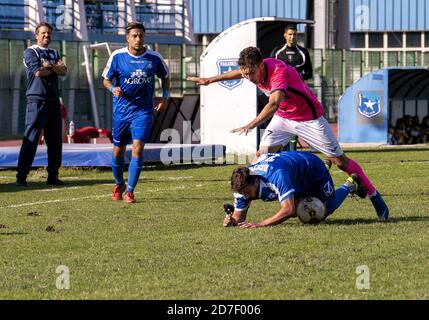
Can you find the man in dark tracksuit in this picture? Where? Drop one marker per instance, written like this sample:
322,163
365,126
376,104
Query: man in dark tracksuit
293,54
43,65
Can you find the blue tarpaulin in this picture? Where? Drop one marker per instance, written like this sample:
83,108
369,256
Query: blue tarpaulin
379,98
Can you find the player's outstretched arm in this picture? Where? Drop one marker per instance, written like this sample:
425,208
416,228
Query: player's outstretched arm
286,211
230,75
270,108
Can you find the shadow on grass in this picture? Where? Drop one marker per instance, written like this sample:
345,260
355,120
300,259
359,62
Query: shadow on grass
180,167
221,200
374,220
41,185
12,233
405,148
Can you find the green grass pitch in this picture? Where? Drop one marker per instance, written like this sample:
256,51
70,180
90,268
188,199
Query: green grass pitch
171,244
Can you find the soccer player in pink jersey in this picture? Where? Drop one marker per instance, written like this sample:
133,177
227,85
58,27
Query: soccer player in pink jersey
295,110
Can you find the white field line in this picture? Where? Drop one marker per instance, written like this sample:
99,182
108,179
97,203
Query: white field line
54,201
83,198
55,189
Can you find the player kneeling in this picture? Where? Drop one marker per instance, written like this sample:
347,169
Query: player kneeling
286,177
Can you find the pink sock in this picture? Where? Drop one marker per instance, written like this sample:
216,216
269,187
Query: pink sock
353,167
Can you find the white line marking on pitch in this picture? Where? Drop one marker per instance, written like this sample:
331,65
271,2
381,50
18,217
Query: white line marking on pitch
56,189
54,201
83,198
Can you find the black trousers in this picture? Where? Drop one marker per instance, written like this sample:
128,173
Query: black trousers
40,115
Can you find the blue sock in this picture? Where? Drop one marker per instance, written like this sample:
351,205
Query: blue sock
340,195
134,170
118,169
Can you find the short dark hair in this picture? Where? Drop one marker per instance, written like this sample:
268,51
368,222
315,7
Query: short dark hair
249,57
135,25
240,178
43,24
291,26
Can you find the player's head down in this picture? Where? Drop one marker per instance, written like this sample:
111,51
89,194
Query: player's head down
251,64
245,183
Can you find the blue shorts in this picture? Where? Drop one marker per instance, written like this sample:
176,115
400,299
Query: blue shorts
322,186
136,127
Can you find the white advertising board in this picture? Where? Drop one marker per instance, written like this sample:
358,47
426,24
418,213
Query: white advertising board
230,104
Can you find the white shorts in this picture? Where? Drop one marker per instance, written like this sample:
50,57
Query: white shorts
316,133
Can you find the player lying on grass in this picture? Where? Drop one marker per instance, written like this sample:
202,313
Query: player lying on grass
287,177
295,111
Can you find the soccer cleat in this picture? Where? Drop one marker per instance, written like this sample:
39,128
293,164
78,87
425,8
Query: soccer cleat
328,164
129,197
118,190
359,189
380,207
55,182
21,183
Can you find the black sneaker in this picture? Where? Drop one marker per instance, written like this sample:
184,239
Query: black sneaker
55,182
359,188
21,183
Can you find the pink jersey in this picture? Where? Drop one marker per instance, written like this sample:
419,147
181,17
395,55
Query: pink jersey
299,104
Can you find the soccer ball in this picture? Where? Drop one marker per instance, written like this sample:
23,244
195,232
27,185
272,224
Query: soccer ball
311,210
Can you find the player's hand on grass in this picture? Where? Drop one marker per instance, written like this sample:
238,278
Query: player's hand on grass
229,221
161,105
246,225
199,81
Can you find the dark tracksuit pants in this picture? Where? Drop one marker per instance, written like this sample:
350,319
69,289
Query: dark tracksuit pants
46,115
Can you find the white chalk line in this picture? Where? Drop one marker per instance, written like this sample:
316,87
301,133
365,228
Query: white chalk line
83,198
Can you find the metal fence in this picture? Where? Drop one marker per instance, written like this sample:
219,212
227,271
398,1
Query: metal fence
334,71
102,17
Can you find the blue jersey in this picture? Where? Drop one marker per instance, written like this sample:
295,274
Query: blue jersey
289,174
41,88
136,77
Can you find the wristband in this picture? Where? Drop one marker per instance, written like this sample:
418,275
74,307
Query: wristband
165,93
111,89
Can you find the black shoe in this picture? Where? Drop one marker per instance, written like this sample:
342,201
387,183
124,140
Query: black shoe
21,183
359,188
55,182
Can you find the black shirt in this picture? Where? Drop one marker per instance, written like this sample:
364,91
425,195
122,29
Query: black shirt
296,56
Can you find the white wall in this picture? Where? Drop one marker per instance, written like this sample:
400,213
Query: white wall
224,109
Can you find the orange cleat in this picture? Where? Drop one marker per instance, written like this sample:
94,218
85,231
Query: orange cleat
129,197
118,190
